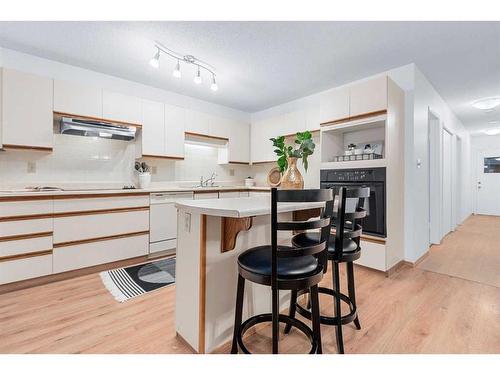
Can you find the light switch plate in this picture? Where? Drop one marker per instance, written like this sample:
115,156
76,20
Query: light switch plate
31,167
187,222
154,169
231,172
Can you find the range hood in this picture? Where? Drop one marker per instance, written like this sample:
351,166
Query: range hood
91,128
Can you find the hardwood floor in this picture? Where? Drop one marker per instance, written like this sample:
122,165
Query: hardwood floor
471,252
413,311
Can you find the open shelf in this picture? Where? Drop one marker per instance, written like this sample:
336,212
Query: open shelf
336,138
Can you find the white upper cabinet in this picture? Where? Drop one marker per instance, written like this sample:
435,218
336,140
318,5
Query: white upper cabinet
334,105
121,107
294,122
239,142
219,127
197,122
27,117
77,99
175,123
153,128
368,96
261,146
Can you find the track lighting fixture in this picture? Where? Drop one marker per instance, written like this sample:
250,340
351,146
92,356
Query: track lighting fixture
188,59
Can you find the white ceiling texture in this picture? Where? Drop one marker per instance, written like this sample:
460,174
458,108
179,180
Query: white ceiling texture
263,64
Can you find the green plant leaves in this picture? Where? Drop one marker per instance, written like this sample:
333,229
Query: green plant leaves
305,149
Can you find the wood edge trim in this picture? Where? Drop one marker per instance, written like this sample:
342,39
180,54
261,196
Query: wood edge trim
202,285
27,148
353,118
28,236
42,280
99,239
239,162
418,261
163,157
206,136
264,162
380,241
25,217
57,113
292,134
394,269
100,212
16,198
230,228
10,258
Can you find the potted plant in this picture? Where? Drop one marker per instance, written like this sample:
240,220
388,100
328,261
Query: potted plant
302,148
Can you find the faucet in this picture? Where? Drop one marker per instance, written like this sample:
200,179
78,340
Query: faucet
211,179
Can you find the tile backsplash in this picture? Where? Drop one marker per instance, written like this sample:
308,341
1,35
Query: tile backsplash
86,160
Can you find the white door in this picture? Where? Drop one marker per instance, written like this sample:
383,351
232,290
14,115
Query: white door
488,182
447,183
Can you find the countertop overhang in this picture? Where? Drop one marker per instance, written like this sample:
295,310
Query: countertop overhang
240,207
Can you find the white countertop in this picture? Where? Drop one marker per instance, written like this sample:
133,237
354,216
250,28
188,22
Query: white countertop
240,207
155,189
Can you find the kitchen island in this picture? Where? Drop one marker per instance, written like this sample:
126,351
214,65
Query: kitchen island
210,236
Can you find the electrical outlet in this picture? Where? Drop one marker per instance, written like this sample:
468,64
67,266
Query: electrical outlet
187,222
231,172
154,169
31,167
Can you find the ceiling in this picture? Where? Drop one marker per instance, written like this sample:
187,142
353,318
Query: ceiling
262,64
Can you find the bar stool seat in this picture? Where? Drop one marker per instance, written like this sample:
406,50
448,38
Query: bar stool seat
257,261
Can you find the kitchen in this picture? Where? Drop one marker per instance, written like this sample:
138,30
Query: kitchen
108,183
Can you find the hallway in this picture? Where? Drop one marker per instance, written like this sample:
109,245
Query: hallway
472,252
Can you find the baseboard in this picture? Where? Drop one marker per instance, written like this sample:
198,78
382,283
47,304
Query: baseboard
418,261
394,269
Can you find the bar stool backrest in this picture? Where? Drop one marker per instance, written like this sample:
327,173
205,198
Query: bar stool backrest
322,223
347,216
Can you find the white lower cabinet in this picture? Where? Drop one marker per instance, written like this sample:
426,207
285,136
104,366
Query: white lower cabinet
372,255
229,194
93,253
27,268
206,195
25,227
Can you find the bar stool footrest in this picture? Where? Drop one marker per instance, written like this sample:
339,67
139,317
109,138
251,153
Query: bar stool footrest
329,320
267,317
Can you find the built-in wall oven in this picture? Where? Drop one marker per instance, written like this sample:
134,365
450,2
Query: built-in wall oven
374,178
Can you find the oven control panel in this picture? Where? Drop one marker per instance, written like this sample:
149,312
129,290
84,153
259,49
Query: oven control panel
353,175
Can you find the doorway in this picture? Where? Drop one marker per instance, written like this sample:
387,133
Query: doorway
434,168
487,182
447,182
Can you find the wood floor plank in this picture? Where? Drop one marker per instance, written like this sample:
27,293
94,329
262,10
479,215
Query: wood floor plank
413,311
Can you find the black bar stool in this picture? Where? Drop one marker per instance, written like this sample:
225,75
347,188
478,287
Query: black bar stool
286,268
343,248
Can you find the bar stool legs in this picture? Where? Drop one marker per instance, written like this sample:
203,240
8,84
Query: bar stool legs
292,310
275,319
336,306
351,290
238,313
316,318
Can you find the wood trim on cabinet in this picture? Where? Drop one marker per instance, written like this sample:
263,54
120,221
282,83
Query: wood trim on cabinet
99,239
377,240
56,113
264,162
99,195
100,212
163,157
27,148
239,162
25,217
352,118
202,287
230,228
28,236
33,254
207,136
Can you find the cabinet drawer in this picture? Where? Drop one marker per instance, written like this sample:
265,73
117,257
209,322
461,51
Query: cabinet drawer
83,227
207,195
93,253
157,247
21,227
27,268
23,208
229,194
24,246
101,203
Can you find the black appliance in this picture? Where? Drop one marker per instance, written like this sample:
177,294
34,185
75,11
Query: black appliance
374,178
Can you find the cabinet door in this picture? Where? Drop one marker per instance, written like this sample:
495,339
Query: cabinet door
77,99
368,96
261,146
334,105
27,117
239,142
197,122
175,122
219,127
294,122
121,107
153,128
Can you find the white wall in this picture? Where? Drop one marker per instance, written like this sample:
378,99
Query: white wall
417,179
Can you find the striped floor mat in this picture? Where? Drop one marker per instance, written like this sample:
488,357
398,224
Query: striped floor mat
129,282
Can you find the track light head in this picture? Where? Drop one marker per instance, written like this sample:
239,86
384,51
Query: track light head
177,71
197,77
155,61
214,86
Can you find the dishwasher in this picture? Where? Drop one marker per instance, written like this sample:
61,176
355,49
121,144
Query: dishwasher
163,221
